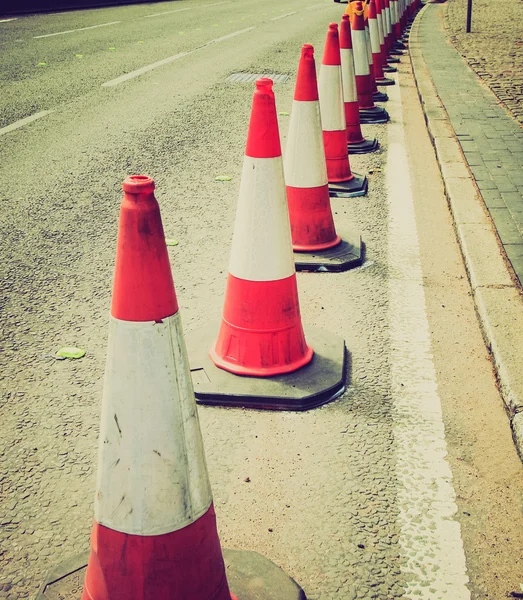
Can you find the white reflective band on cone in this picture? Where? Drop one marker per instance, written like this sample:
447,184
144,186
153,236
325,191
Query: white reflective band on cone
331,98
369,47
387,20
152,476
374,36
359,45
304,160
380,29
261,244
348,77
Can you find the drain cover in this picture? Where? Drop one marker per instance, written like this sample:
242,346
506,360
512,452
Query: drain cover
251,77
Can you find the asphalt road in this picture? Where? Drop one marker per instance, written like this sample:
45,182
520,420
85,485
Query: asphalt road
406,486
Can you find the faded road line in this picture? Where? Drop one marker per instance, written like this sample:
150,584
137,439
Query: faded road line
283,16
37,37
170,59
23,122
434,559
169,12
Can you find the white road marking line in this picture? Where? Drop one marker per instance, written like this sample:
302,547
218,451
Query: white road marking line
430,536
216,4
283,16
143,70
315,6
23,122
169,12
168,60
37,37
225,37
7,20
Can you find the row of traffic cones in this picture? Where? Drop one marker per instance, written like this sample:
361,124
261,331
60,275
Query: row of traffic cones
155,536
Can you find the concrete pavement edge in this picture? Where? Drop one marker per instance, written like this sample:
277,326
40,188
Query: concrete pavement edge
497,295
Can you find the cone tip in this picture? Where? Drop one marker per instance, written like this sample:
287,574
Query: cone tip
138,184
307,51
345,17
264,85
333,27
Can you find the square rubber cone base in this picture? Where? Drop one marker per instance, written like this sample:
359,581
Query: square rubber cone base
251,576
374,115
319,382
385,81
400,45
364,147
396,52
346,255
389,69
380,97
357,186
393,59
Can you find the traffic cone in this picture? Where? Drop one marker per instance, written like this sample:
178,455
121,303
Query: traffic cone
380,17
376,94
369,112
316,245
388,32
154,534
342,182
375,46
357,144
261,334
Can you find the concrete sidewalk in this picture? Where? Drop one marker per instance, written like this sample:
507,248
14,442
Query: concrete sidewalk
479,147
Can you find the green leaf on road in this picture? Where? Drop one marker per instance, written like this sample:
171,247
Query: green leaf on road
42,64
223,178
112,48
140,41
171,242
79,55
284,114
70,352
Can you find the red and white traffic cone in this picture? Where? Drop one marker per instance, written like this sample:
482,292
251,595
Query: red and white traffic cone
316,244
154,534
261,334
342,182
375,46
382,28
357,144
388,32
369,112
376,94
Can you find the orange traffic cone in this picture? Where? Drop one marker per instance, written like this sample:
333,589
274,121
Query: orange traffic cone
376,94
261,333
342,182
154,534
369,112
315,242
357,144
381,14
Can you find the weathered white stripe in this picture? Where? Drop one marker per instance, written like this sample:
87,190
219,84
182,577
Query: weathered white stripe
387,21
374,36
380,28
350,92
369,46
331,98
431,546
359,45
22,122
304,160
168,12
261,244
152,476
38,37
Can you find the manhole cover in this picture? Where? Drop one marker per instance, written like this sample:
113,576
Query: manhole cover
251,77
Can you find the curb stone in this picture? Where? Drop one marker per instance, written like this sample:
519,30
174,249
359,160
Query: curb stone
498,299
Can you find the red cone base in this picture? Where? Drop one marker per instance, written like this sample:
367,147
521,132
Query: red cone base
261,332
134,567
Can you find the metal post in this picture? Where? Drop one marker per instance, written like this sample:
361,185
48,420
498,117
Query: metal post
469,14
